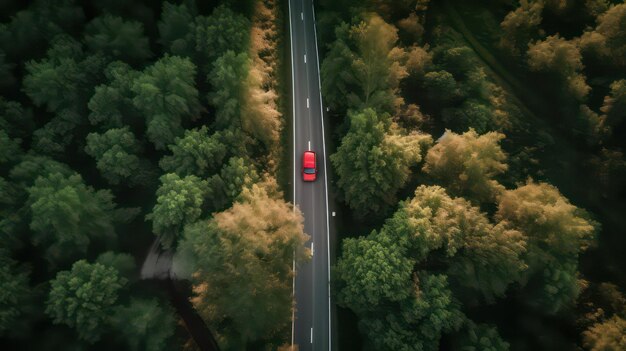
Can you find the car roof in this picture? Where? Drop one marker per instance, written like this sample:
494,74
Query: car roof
309,156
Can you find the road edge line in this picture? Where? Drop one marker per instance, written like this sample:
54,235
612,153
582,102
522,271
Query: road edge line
319,82
293,117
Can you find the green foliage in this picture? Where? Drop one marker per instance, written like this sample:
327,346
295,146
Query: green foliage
15,120
224,30
144,324
227,77
363,68
556,232
32,28
32,166
179,202
166,94
466,164
64,78
472,114
197,153
441,86
16,296
203,38
118,39
10,149
371,272
403,307
482,337
112,105
83,298
67,215
226,187
243,270
57,135
122,262
176,28
116,152
370,170
419,321
482,257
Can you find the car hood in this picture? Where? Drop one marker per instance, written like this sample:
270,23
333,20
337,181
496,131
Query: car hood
308,177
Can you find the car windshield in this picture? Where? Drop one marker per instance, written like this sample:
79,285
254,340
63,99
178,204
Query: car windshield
309,170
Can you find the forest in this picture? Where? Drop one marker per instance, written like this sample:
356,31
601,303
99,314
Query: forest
122,123
476,155
477,152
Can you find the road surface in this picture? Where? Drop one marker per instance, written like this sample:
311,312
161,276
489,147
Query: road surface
312,325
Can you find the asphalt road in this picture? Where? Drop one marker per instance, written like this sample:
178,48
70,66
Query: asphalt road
312,322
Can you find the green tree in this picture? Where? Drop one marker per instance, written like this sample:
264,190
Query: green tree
224,30
118,39
179,202
482,337
58,134
467,163
227,77
243,265
371,271
197,153
608,335
371,166
176,29
111,105
83,298
116,152
417,322
337,80
471,114
372,65
30,30
32,166
144,324
481,257
67,215
226,187
441,86
166,94
64,78
385,278
10,149
556,232
124,263
16,296
16,120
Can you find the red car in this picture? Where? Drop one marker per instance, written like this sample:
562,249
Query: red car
309,166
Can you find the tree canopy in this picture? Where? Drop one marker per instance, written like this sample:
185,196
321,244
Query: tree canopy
247,248
556,232
166,94
468,163
364,67
179,202
83,298
370,166
67,215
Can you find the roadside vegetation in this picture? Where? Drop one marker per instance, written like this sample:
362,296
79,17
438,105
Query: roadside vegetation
479,159
124,122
